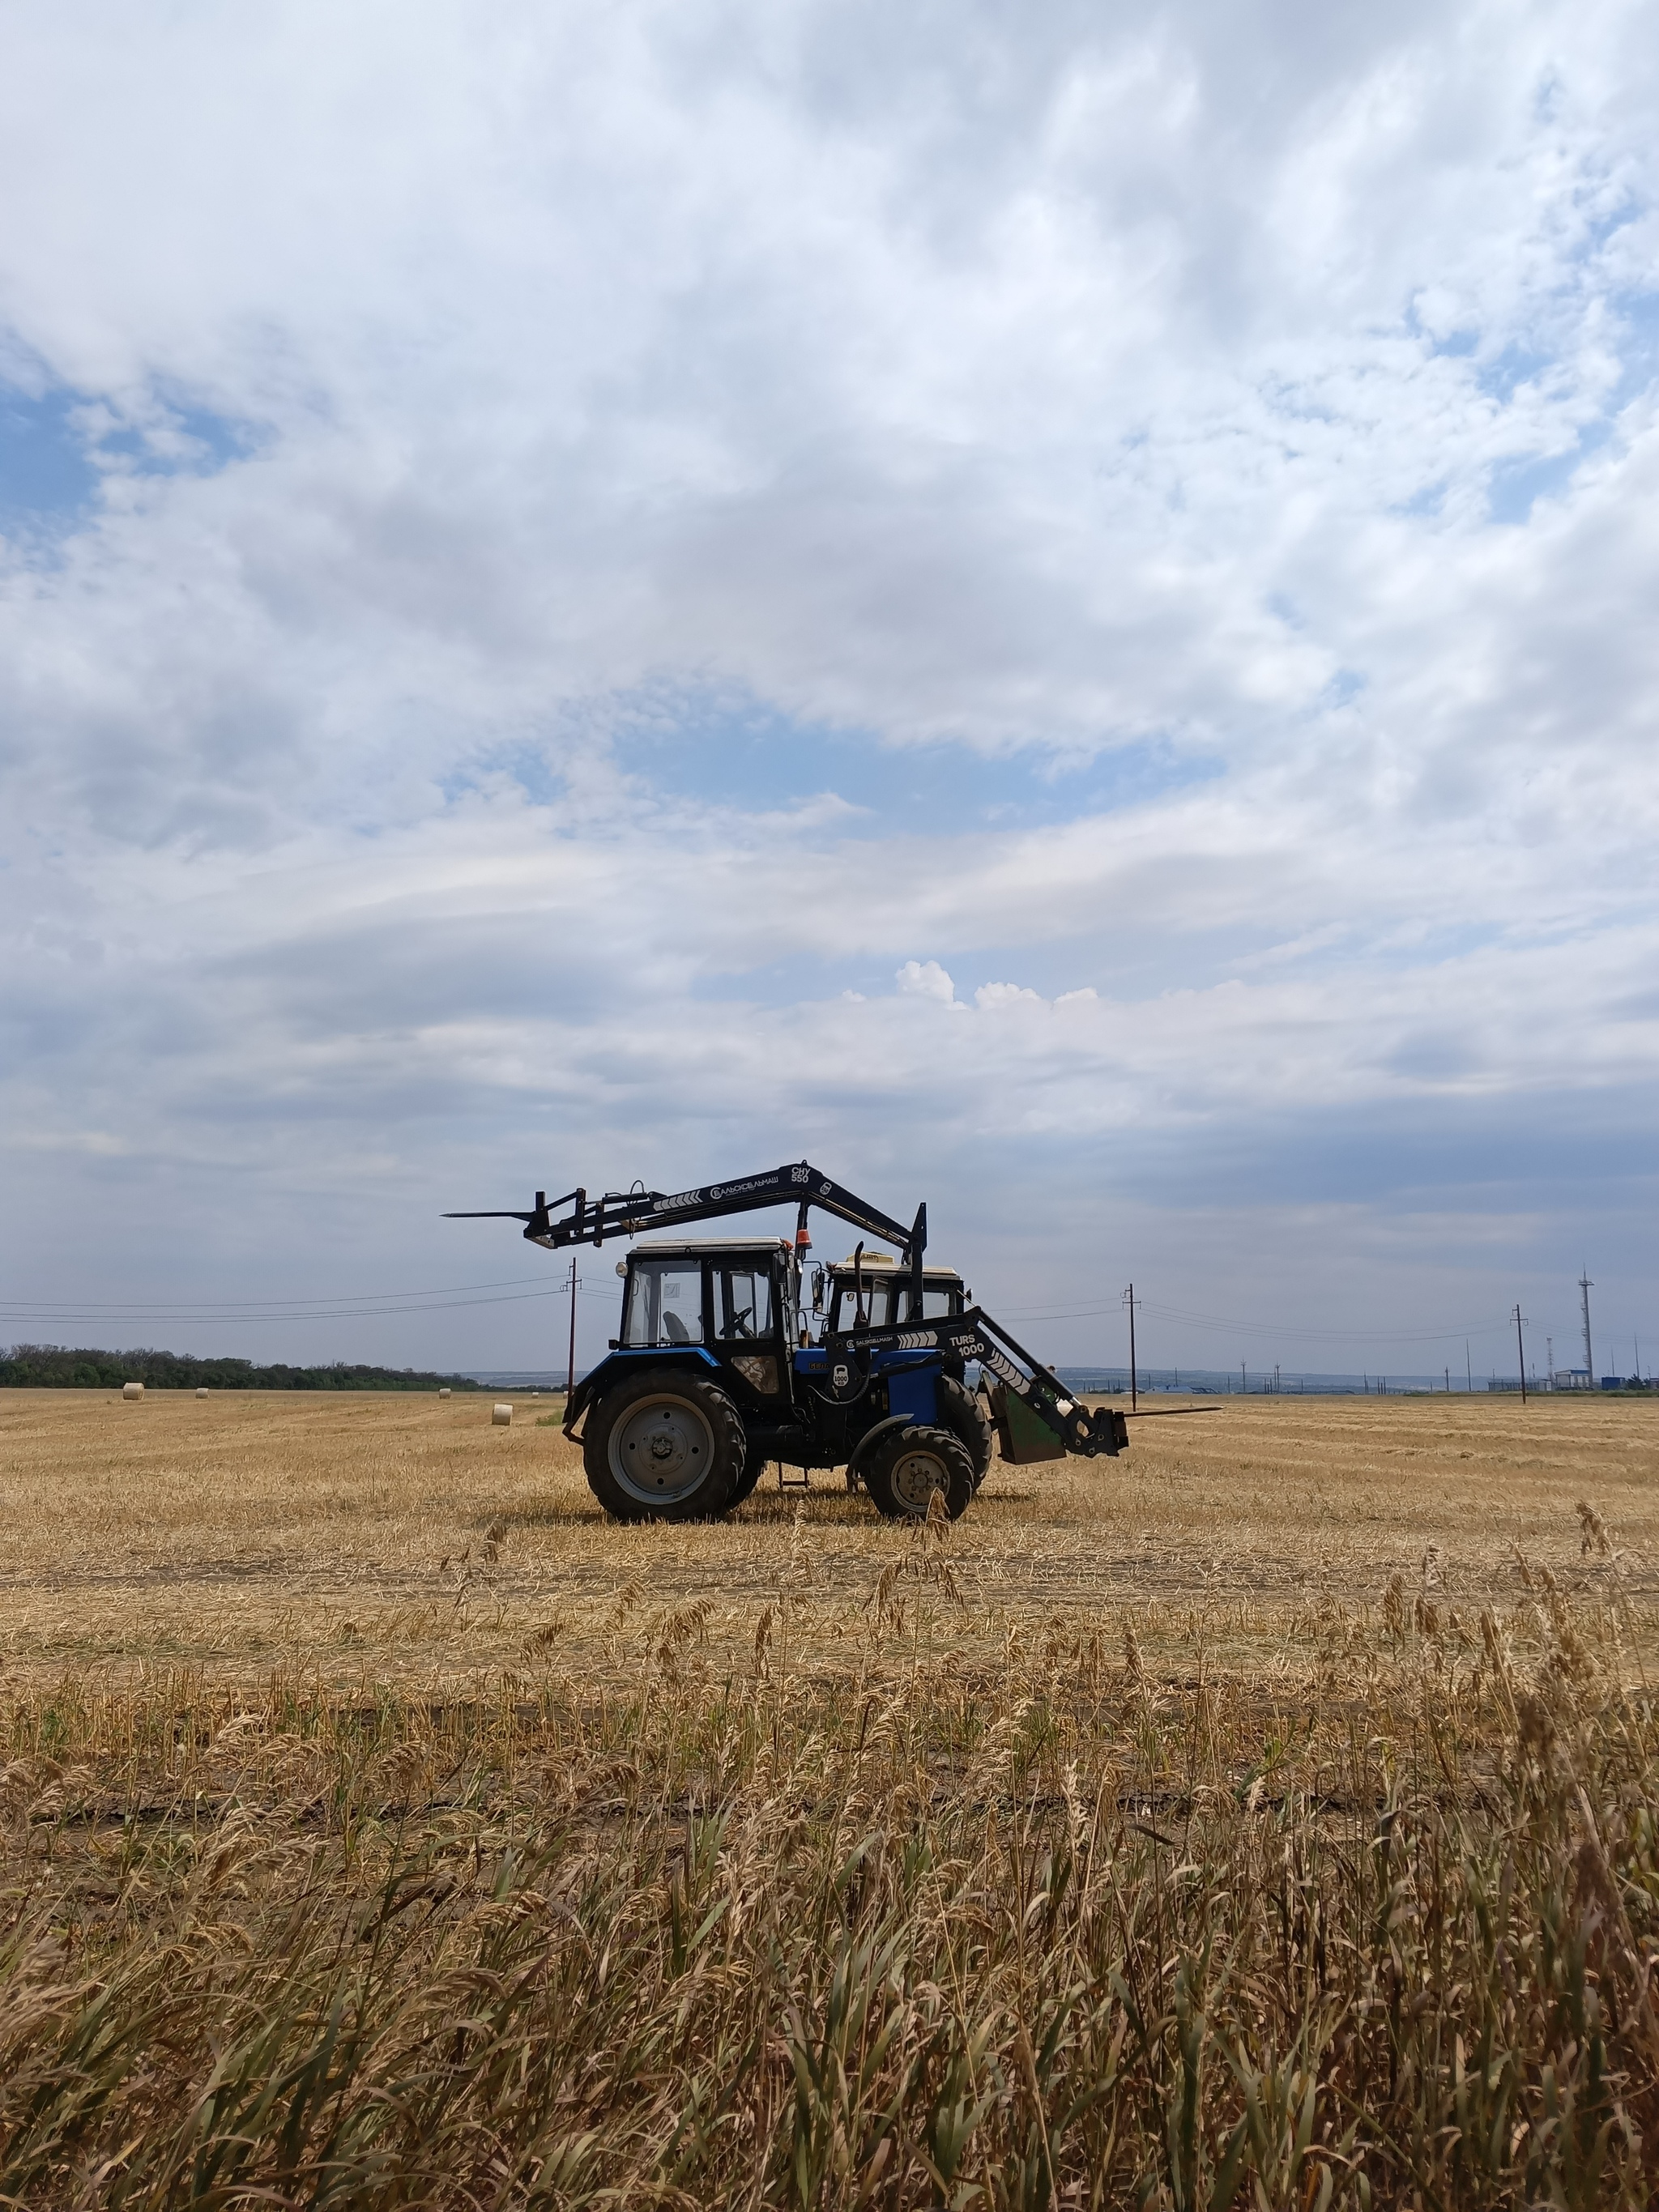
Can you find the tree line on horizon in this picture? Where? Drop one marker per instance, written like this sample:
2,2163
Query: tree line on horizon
57,1367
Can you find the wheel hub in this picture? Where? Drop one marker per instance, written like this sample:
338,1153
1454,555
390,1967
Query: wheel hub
661,1450
917,1475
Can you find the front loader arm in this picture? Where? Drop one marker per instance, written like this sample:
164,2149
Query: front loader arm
1102,1431
1092,1433
626,1213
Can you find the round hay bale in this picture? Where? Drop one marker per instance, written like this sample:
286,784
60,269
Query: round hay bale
132,1390
502,1417
202,1393
443,1394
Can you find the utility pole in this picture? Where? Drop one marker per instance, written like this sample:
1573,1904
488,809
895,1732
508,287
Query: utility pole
1243,1381
1448,1382
1549,1362
571,1386
1585,1286
1520,1355
1129,1301
1468,1368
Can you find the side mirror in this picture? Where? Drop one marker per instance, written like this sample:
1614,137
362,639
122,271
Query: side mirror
818,1289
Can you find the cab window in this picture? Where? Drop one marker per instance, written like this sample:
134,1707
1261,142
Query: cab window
878,1306
744,1303
890,1302
665,1304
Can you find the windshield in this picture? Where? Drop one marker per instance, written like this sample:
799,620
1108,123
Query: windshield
887,1300
878,1306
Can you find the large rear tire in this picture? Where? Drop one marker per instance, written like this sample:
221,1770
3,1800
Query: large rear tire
958,1410
910,1465
664,1446
748,1481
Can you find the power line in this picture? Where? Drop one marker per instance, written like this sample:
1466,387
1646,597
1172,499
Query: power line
231,1316
320,1298
369,1305
1326,1336
1259,1328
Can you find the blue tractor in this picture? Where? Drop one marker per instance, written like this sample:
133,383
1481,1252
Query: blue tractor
730,1356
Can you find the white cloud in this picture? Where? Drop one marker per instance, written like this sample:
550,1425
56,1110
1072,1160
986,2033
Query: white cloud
990,995
926,979
1006,395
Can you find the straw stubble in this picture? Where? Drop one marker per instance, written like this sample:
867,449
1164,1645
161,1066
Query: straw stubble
1265,1820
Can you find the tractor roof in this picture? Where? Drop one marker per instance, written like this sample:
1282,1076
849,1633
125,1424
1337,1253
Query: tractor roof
699,1245
849,1266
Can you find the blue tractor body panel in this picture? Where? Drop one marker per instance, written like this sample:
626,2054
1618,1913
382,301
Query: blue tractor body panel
912,1391
910,1378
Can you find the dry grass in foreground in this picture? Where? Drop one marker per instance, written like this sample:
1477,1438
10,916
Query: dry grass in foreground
1267,1821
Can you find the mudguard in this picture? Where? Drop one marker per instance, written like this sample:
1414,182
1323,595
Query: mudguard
861,1450
695,1357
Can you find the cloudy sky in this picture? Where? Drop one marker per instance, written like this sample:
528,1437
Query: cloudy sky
1052,608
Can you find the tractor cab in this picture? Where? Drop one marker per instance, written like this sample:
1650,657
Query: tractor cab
730,1304
886,1294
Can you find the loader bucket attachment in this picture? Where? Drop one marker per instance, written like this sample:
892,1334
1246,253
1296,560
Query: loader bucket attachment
1023,1435
1112,1429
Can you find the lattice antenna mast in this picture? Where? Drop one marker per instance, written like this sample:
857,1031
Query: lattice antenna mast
1585,1286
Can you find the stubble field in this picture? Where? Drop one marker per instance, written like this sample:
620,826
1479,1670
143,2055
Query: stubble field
1266,1817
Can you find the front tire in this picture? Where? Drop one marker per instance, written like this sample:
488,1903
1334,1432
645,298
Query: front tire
664,1446
959,1411
910,1466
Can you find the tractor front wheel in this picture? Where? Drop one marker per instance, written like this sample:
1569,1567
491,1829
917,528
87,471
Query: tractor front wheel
959,1411
907,1468
664,1446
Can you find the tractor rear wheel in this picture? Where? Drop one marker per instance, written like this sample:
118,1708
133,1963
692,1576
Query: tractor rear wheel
958,1410
907,1467
664,1446
749,1481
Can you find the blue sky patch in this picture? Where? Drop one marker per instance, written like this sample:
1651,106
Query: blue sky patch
1518,364
44,468
1517,486
57,449
186,441
761,762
